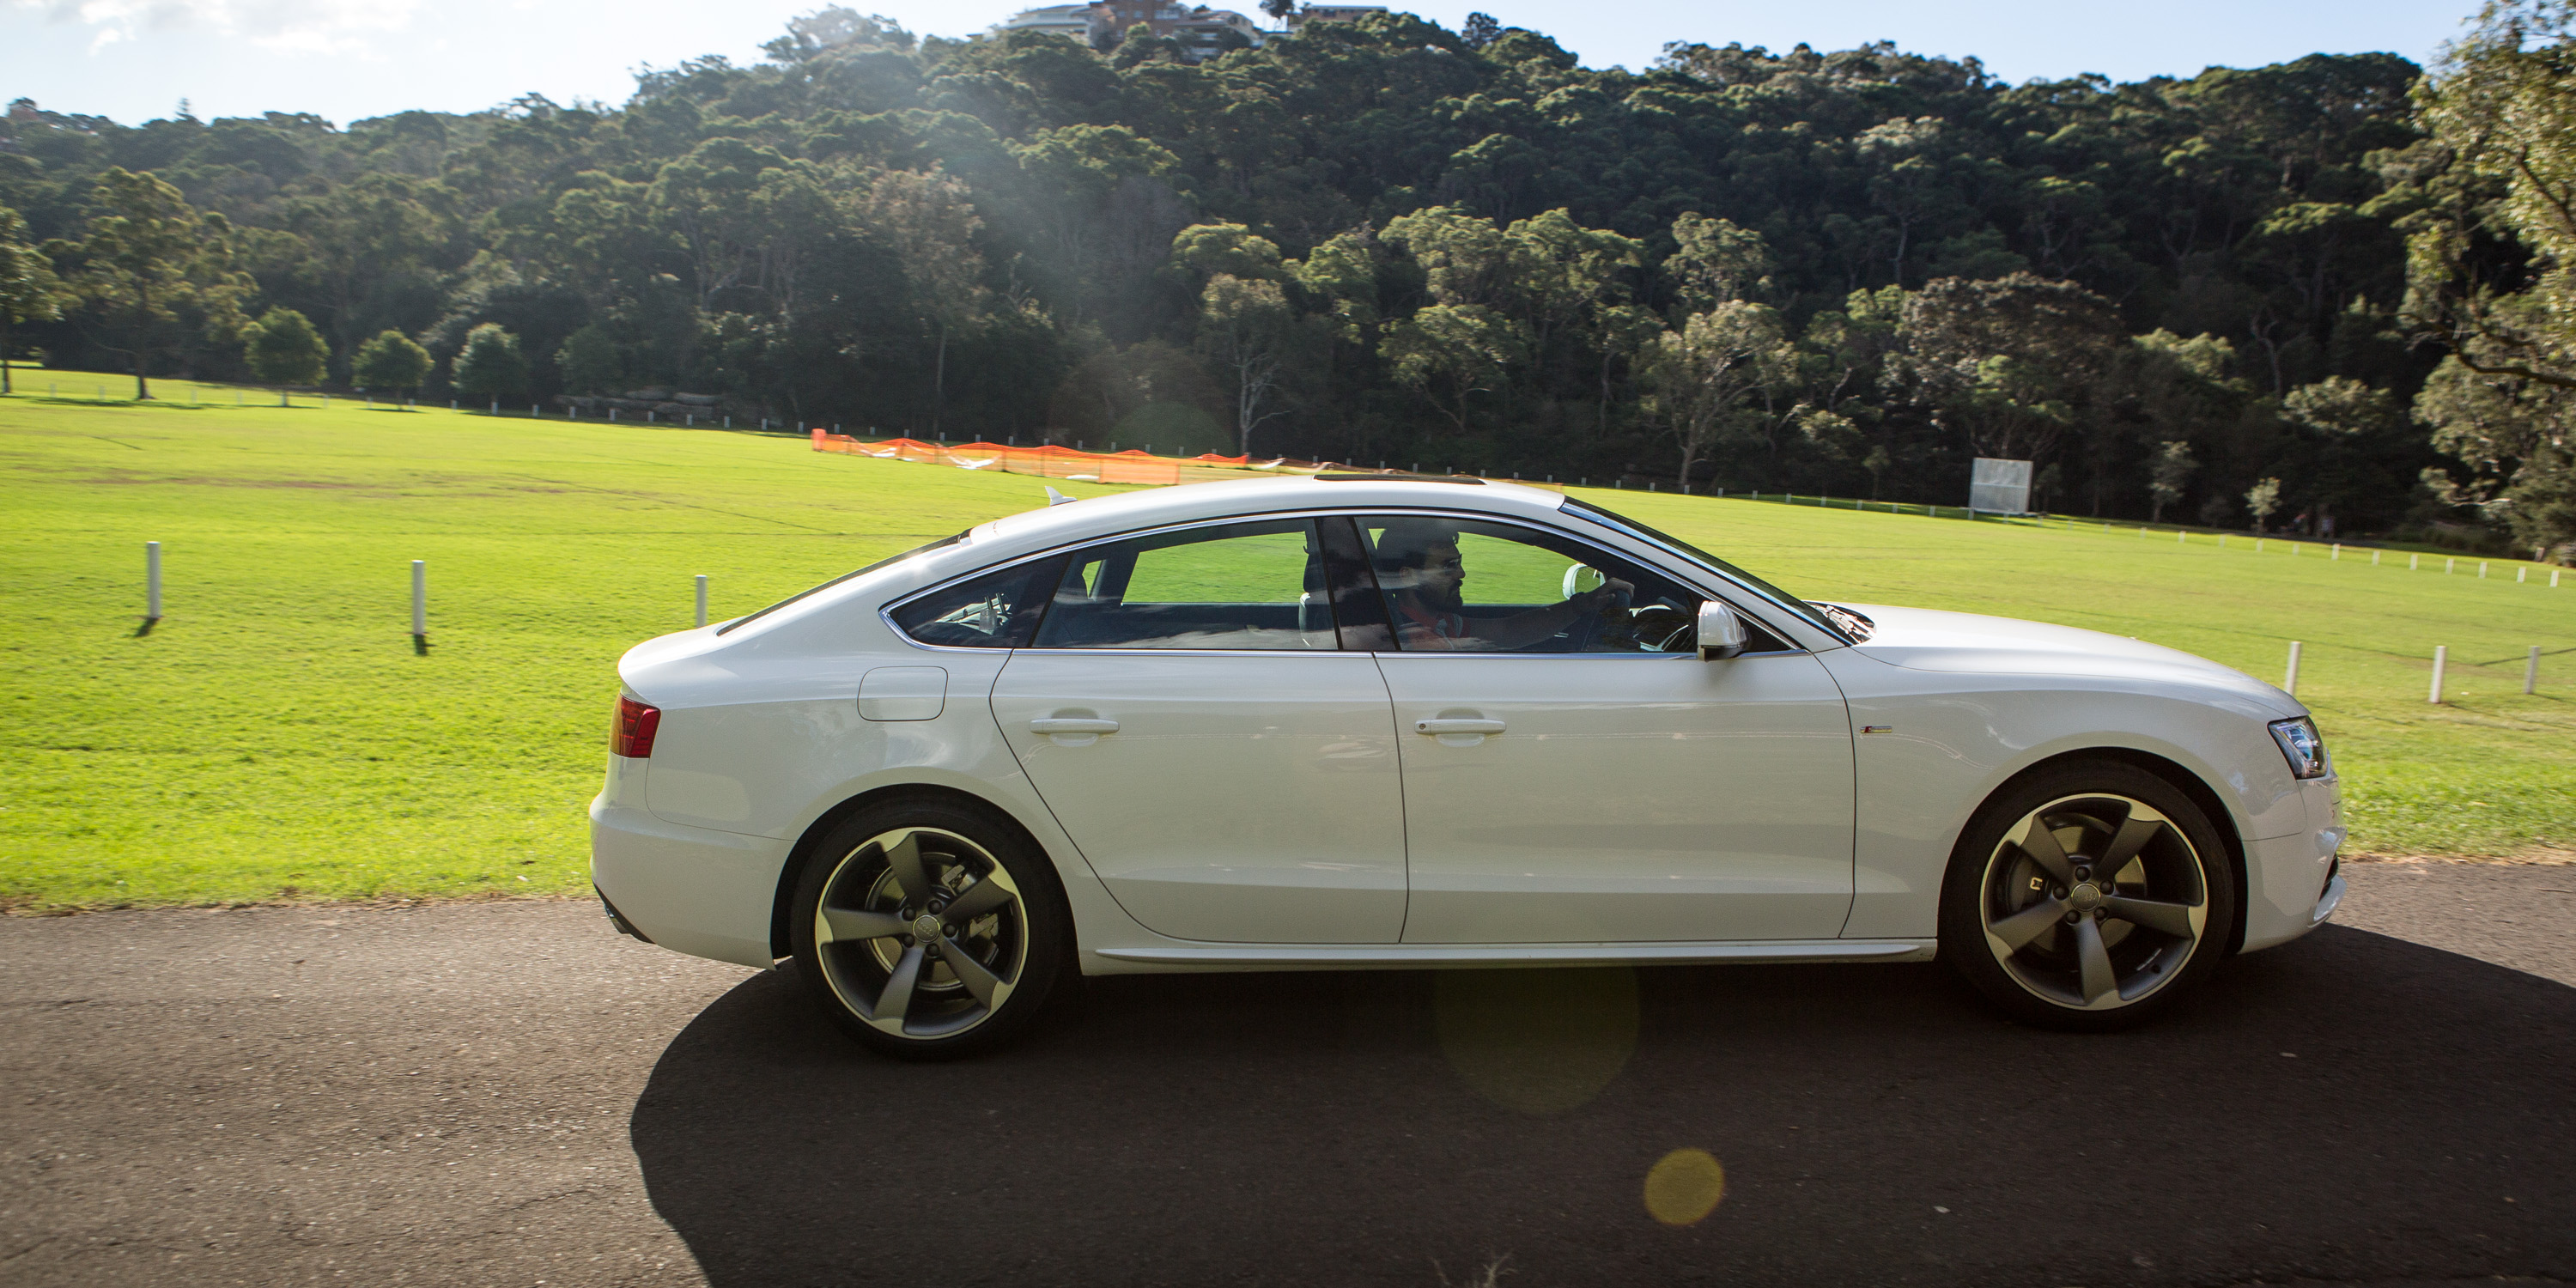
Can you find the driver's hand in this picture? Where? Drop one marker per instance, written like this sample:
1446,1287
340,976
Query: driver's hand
1605,596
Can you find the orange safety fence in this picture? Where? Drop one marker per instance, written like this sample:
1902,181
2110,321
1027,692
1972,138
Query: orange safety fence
1058,462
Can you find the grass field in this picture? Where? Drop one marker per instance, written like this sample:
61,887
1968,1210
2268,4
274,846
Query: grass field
277,736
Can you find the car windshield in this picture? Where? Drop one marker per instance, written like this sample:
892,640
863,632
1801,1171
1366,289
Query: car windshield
887,562
1781,598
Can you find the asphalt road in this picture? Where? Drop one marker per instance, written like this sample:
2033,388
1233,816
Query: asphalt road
509,1093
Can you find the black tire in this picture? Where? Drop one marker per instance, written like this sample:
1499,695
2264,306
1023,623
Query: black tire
2090,896
973,986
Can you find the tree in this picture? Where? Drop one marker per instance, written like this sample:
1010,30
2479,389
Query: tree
360,245
391,361
1716,260
29,290
1480,30
1245,326
1467,347
2173,468
490,365
2502,103
589,361
931,225
149,261
2262,499
2518,438
2012,361
1703,374
284,349
1908,183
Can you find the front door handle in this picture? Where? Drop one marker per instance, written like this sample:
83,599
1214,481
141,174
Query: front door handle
1437,728
1067,724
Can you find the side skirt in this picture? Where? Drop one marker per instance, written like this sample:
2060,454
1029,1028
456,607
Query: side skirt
1249,957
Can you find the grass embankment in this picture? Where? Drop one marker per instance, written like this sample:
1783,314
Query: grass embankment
277,736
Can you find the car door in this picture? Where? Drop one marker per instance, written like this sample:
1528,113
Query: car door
1584,777
1229,770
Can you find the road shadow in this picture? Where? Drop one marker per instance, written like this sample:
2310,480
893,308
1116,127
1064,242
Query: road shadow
2348,1107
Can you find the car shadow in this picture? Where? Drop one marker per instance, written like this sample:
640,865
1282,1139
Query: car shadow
2351,1106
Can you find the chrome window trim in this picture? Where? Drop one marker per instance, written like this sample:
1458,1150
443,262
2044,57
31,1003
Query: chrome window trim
1690,574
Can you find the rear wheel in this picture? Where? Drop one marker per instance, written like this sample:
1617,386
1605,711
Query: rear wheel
929,929
2090,896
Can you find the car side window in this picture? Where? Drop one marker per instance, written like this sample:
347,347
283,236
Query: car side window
997,610
1230,586
1463,585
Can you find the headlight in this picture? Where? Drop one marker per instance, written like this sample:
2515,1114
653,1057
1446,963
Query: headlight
2305,747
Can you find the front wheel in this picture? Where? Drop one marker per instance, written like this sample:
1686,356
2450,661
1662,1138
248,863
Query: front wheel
2090,896
929,929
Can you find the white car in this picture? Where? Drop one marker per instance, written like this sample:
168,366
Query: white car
1363,721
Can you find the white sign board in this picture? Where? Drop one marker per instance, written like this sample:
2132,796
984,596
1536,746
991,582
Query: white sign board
1999,487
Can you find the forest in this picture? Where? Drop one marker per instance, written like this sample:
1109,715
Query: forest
2332,290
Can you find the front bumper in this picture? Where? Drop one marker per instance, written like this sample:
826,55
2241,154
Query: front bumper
689,889
2294,883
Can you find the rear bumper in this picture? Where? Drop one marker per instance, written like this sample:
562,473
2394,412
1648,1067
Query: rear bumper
688,889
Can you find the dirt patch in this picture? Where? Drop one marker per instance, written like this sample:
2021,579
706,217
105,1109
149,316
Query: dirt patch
27,906
2544,856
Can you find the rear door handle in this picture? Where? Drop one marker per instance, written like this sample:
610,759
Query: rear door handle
1064,724
1439,727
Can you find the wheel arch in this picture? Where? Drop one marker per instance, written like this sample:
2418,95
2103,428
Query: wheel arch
781,942
2176,776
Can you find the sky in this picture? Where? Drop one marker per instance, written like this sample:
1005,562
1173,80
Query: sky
346,60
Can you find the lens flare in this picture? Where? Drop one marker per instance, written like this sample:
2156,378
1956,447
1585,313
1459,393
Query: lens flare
1537,1041
1684,1186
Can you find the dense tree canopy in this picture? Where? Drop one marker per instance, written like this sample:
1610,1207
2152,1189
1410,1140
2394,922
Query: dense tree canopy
1840,272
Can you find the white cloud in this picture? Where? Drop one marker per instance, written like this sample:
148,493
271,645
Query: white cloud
285,26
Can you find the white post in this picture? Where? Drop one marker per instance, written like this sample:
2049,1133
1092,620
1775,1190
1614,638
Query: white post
2290,682
2441,656
2374,558
2531,671
2337,556
2521,573
2411,562
2482,570
420,597
2180,536
702,599
2258,545
2553,579
152,581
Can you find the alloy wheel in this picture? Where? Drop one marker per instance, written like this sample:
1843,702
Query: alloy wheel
2094,902
921,933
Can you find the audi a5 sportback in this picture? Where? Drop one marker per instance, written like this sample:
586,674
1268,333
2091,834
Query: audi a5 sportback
1391,721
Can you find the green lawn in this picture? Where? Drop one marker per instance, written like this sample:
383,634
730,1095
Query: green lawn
277,736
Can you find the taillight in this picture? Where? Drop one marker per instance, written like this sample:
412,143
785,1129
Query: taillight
631,735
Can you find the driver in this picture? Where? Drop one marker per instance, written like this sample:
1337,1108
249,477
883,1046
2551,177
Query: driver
1419,567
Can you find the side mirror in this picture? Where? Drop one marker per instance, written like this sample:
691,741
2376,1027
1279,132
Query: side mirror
1721,632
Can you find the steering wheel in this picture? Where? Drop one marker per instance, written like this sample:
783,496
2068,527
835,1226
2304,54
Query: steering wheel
1580,579
1659,629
